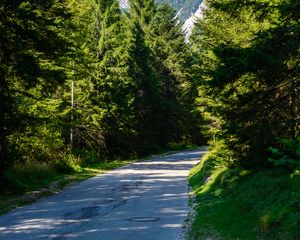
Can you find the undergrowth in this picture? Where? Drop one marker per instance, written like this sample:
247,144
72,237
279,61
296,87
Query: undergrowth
27,182
232,203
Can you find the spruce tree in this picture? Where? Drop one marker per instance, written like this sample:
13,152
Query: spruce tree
142,11
248,73
166,42
113,94
31,50
150,98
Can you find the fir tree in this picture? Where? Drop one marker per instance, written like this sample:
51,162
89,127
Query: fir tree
248,73
114,87
31,49
167,44
148,102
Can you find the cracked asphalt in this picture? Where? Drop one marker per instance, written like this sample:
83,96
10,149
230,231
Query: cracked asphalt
146,200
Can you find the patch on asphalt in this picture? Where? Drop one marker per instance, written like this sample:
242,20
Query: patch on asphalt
83,213
144,219
95,210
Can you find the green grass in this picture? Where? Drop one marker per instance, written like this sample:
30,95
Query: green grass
232,203
27,183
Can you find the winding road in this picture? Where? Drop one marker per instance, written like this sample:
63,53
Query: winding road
146,200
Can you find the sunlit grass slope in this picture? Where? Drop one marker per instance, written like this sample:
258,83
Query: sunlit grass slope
232,203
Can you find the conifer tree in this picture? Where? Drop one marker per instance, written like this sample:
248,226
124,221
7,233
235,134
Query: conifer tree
113,94
167,44
142,11
31,53
83,31
248,73
148,101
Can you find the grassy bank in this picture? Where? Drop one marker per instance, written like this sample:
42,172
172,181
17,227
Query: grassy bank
233,203
27,183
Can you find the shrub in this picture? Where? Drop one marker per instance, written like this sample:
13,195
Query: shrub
66,163
287,154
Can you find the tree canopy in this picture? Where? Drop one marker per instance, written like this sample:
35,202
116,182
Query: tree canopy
127,70
249,74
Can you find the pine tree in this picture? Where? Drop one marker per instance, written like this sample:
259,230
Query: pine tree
142,11
32,47
248,73
82,31
113,94
167,45
148,101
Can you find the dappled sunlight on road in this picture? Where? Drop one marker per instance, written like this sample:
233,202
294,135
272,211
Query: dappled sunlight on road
138,201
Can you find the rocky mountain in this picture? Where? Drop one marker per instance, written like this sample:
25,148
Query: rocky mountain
186,8
189,23
123,3
188,11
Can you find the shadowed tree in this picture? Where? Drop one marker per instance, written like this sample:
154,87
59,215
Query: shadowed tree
31,48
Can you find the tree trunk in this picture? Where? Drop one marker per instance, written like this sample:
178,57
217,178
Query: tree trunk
293,111
3,116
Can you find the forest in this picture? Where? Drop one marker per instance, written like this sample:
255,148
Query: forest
84,82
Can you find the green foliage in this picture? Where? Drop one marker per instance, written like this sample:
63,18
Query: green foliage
245,61
248,72
33,48
87,157
287,155
66,163
21,178
127,69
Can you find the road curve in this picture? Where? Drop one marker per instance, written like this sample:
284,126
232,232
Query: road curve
146,200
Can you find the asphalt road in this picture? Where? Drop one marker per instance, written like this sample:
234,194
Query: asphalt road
147,200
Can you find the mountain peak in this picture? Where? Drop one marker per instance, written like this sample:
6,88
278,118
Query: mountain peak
189,24
188,11
184,7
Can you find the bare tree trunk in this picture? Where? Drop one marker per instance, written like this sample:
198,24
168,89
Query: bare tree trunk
3,115
293,110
